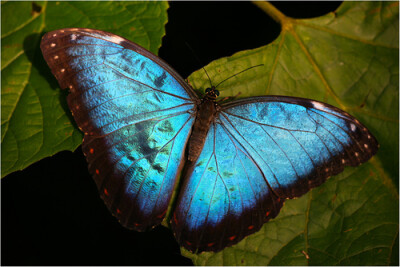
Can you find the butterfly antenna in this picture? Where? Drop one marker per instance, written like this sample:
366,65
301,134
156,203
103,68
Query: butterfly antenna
198,60
239,73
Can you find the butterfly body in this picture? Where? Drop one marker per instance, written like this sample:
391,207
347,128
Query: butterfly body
142,122
206,111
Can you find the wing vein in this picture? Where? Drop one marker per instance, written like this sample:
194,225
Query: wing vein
165,174
154,152
266,163
344,130
150,112
264,124
130,136
337,139
158,90
118,97
241,162
195,191
302,147
283,151
215,184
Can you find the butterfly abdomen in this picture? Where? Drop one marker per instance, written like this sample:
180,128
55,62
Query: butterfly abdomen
206,115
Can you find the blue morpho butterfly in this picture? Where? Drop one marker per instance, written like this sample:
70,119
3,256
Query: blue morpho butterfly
142,121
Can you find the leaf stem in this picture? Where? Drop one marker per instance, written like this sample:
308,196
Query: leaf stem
275,14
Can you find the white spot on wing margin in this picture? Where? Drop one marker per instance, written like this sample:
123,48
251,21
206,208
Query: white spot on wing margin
317,105
116,39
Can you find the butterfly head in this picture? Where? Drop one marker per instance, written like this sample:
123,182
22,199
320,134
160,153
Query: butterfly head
212,93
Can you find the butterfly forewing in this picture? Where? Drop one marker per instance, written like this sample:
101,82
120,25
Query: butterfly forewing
136,115
300,142
259,152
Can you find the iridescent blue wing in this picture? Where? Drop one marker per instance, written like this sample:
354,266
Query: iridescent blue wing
225,198
136,113
300,142
258,152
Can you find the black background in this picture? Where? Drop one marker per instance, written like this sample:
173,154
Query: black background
51,211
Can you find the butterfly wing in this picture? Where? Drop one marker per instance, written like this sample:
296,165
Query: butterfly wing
136,113
300,142
225,198
259,151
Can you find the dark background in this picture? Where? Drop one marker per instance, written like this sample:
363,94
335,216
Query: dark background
51,211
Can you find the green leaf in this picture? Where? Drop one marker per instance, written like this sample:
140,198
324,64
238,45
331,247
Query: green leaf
34,124
348,58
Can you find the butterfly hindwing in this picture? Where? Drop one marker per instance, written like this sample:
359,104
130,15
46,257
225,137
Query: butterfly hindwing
258,152
225,198
136,113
